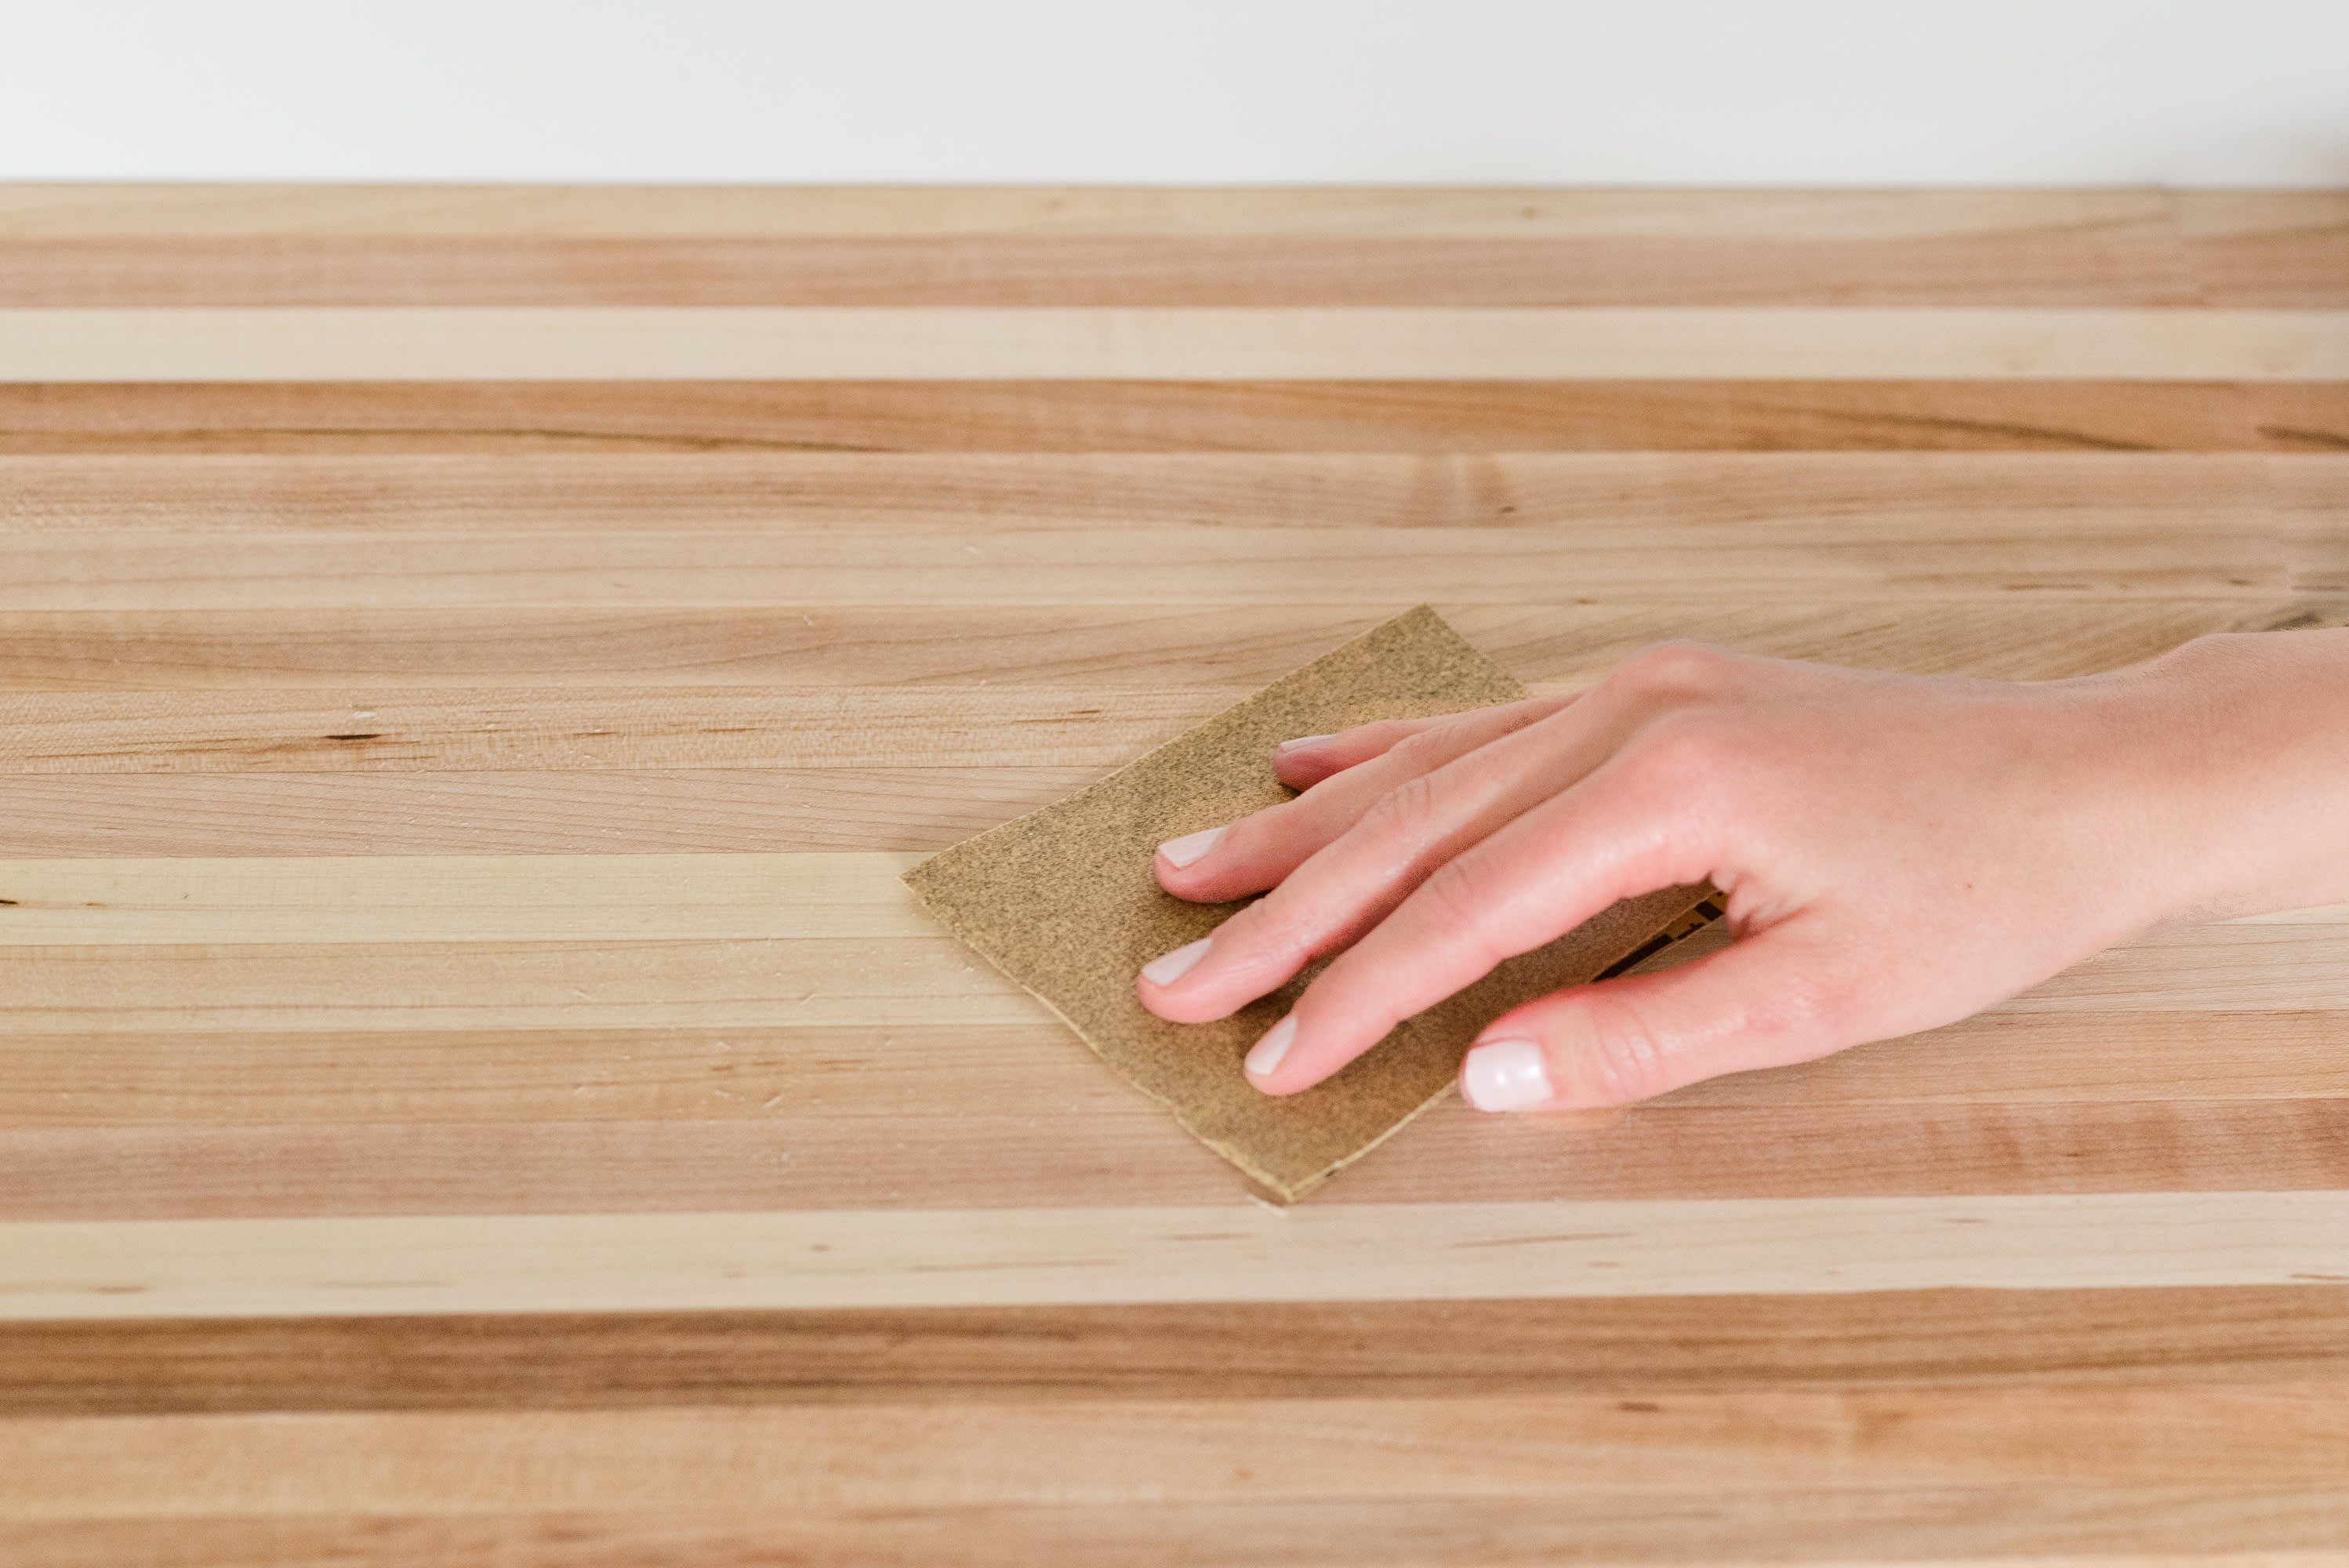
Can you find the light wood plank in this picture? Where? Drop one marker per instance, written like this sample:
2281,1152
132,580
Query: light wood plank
2209,968
1239,1250
1927,494
909,980
851,1073
1805,562
515,729
327,899
502,984
2312,495
527,728
2267,247
1216,345
458,898
2129,265
2277,1437
2055,1526
1775,414
703,810
61,211
1122,649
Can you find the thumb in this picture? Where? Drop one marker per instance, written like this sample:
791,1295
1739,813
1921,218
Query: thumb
1775,997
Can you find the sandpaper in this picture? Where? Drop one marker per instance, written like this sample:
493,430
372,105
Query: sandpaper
1063,901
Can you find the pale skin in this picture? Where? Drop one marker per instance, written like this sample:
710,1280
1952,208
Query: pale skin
1899,852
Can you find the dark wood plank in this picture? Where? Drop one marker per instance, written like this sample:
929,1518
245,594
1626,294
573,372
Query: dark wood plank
1634,1346
936,1154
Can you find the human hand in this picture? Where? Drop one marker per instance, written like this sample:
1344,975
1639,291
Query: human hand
1897,853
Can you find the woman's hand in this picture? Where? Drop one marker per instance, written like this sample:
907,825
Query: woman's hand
1897,851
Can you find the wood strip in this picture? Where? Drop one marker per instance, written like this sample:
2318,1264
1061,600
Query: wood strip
2212,967
326,900
2267,247
1818,561
63,210
529,985
520,729
1208,345
995,415
779,1151
2133,265
457,899
1239,1250
2312,496
1124,649
2304,418
617,811
721,986
2063,1526
1639,1346
528,729
2275,1436
869,494
854,1072
887,981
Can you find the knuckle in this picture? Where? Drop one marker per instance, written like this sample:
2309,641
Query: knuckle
1620,1058
1405,814
1429,748
1685,754
1803,1006
1454,897
1268,933
1674,671
1381,736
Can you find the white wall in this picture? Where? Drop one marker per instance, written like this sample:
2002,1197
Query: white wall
2210,92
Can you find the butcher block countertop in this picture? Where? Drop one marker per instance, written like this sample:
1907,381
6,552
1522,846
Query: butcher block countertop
474,662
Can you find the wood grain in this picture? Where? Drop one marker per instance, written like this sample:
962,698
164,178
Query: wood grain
1601,414
472,662
1214,344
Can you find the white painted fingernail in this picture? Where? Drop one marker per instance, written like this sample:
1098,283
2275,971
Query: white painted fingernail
1266,1054
1303,740
1505,1075
1169,967
1181,852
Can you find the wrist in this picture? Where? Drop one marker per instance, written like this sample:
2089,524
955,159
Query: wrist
2244,739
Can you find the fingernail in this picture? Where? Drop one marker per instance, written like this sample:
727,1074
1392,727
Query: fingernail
1505,1075
1167,968
1181,852
1266,1054
1302,740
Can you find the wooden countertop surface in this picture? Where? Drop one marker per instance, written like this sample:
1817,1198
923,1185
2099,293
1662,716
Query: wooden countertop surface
473,662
